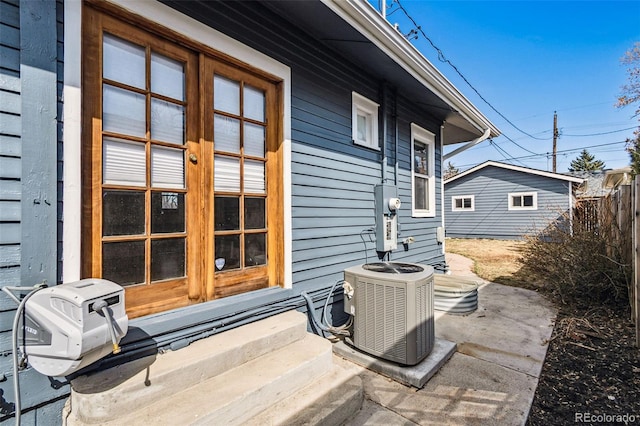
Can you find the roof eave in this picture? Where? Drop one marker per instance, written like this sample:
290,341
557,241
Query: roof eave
366,19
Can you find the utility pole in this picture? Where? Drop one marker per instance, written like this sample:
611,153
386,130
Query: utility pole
555,139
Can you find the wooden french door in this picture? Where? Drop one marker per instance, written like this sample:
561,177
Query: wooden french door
181,169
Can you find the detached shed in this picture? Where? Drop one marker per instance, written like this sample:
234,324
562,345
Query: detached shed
502,201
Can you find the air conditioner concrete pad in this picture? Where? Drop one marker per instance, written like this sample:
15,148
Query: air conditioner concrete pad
414,375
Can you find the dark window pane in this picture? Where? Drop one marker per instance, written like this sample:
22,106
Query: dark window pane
420,157
123,212
458,203
254,217
517,201
123,262
528,200
167,258
467,203
167,212
227,252
420,196
227,213
255,249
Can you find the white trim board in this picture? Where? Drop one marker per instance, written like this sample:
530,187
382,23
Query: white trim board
518,169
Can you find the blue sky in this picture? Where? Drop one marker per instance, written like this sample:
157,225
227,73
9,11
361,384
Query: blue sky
529,59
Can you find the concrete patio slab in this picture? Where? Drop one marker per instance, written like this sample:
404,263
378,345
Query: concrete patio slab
490,380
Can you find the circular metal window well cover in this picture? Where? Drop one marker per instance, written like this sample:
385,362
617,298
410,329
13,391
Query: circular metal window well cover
393,267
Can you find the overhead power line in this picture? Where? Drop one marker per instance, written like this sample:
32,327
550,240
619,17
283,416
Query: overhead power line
443,58
603,133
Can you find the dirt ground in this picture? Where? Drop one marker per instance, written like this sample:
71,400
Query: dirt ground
591,373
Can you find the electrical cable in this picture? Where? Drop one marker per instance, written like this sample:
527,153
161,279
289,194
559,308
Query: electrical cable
341,330
442,58
602,133
368,231
14,341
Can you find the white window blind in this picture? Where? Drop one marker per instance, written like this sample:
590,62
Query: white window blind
167,167
123,163
226,174
254,177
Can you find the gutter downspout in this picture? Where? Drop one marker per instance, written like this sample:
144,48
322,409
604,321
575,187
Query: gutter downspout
468,145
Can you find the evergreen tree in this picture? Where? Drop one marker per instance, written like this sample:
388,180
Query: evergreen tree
586,162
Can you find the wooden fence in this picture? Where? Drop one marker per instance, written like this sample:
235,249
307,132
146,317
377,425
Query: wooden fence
617,218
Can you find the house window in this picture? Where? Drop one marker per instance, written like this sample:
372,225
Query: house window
523,201
463,203
423,172
364,121
182,180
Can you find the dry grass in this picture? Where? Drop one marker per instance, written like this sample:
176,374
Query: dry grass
497,261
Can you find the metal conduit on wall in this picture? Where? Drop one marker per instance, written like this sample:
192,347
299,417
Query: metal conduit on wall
455,294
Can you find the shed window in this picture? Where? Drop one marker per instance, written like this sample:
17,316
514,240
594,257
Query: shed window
423,172
523,201
463,203
364,121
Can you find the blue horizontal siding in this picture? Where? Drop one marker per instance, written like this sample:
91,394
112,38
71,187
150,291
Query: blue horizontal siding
492,218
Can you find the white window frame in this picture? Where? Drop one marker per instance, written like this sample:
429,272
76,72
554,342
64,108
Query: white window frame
522,195
463,208
369,109
429,139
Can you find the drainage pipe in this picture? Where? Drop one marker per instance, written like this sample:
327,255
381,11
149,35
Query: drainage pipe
468,145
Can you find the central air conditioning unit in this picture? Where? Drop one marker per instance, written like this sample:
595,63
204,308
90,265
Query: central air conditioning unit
392,308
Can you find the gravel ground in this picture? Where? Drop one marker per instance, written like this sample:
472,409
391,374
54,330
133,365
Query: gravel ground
591,372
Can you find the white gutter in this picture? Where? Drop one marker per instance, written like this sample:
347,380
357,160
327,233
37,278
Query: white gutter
468,145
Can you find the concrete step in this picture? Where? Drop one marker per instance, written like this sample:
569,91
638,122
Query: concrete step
106,395
234,397
331,400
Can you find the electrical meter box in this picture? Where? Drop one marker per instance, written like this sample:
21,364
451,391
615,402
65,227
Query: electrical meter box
66,327
387,205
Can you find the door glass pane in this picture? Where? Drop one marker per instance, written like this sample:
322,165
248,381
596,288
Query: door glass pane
253,140
254,217
167,122
253,103
226,95
167,167
123,163
254,177
167,212
226,174
167,258
255,250
226,134
122,212
123,111
123,61
123,262
167,77
227,252
420,195
227,213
